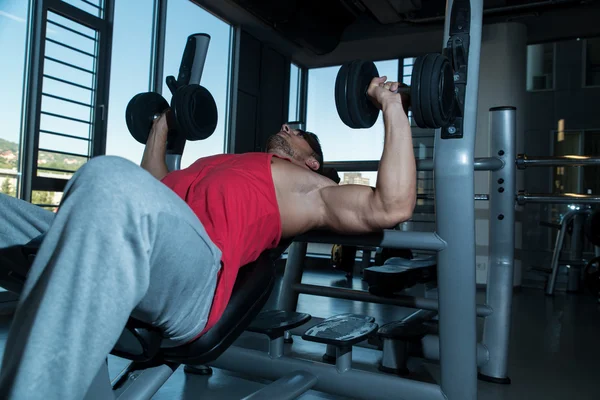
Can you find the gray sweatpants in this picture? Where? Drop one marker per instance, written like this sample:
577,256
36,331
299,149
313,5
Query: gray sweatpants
121,244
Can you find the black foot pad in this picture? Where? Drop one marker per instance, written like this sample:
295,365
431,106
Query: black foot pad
491,379
340,331
274,323
398,274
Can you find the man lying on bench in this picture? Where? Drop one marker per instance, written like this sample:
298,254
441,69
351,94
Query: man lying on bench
165,248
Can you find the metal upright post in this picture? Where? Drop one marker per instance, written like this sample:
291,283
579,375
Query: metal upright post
496,331
455,218
294,266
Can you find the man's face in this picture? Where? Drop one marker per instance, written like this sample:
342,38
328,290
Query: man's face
291,143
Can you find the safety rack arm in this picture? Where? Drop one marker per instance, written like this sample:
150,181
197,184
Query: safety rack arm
389,238
525,161
566,198
425,164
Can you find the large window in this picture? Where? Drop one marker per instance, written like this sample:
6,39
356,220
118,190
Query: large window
183,19
339,142
130,72
592,62
540,66
13,32
295,87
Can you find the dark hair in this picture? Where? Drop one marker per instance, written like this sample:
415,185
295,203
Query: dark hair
315,145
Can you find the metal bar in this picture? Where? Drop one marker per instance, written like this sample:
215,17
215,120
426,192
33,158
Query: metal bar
388,238
560,237
524,161
47,184
159,29
68,82
140,381
455,221
431,196
292,275
355,384
64,135
63,153
65,117
99,114
69,65
67,100
32,99
423,303
76,14
92,4
288,387
496,330
55,170
425,164
71,30
70,47
565,198
431,350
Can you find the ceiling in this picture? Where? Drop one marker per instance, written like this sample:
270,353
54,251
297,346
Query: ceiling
328,32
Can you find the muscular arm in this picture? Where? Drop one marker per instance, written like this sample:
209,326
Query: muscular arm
358,209
153,159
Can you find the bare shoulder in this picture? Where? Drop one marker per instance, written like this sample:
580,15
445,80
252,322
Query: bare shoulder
295,179
298,196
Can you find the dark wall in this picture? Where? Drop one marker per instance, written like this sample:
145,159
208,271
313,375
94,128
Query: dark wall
570,101
262,94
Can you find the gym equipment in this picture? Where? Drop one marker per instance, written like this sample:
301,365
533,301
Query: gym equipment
194,111
398,274
431,96
572,221
591,277
399,335
592,228
341,333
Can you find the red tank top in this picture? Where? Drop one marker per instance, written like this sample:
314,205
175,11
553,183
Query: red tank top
234,197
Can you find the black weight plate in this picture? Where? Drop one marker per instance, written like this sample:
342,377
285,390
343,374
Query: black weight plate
427,91
442,91
195,112
140,112
341,90
415,92
362,111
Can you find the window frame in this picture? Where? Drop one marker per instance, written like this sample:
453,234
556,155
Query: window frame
584,66
553,88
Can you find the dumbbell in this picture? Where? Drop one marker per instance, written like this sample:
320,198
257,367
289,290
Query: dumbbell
431,97
194,113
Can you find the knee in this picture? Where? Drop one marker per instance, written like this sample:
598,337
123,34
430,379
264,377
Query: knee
107,174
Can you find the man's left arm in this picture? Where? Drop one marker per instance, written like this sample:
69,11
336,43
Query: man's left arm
153,159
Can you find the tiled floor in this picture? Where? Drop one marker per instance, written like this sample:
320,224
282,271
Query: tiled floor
554,353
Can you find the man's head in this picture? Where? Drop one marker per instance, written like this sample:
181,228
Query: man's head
302,147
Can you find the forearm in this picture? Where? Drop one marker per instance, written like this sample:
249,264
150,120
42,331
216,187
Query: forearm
153,159
395,191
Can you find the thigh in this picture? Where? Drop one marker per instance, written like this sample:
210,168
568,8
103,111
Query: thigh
21,221
183,277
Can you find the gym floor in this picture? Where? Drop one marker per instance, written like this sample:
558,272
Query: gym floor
554,352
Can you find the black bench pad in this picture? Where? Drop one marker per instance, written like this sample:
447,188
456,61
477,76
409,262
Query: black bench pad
398,274
342,331
274,323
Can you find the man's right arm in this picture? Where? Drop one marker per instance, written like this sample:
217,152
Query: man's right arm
358,209
153,159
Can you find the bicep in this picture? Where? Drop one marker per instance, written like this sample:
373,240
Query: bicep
353,209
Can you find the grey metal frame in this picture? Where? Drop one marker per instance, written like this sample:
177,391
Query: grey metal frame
572,215
157,58
496,331
454,239
34,77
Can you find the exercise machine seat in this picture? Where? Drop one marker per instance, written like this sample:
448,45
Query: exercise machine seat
398,274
